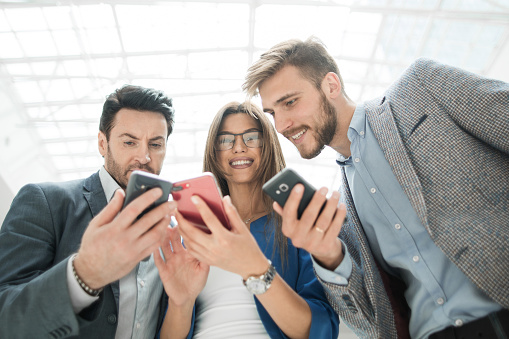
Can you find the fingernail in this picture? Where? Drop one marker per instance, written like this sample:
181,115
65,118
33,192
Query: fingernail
115,195
335,195
194,199
323,191
299,188
228,199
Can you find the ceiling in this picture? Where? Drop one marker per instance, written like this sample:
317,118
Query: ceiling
59,60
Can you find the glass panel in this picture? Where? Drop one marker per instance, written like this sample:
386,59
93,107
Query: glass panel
10,46
26,19
58,17
37,43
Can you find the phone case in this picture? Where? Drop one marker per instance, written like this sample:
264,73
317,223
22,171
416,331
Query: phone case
280,186
140,182
204,186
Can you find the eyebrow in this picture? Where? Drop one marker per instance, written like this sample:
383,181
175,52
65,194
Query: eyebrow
247,130
136,138
283,98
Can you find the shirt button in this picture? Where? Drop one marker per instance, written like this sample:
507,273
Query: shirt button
397,226
440,301
361,132
356,159
458,322
142,283
415,258
138,325
372,190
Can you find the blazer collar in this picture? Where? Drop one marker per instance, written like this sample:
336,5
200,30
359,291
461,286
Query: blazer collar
96,198
381,120
94,193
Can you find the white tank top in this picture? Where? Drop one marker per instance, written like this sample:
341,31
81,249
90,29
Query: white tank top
225,309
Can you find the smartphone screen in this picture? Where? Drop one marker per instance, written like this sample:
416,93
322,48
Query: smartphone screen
204,186
280,186
140,182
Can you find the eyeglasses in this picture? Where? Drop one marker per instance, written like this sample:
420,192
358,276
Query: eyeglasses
252,139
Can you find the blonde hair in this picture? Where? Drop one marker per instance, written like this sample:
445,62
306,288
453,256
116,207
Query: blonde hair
310,57
272,162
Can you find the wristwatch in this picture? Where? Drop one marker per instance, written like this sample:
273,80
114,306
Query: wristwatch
260,284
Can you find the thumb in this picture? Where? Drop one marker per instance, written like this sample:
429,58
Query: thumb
238,226
111,210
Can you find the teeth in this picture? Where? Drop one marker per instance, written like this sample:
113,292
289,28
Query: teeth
241,162
298,135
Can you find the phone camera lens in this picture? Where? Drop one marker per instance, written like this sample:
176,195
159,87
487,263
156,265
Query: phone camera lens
283,187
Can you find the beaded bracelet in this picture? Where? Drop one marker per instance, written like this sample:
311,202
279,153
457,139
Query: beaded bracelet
91,292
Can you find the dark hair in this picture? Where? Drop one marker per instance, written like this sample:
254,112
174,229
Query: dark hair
136,98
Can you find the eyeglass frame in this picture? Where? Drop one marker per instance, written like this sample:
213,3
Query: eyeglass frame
235,139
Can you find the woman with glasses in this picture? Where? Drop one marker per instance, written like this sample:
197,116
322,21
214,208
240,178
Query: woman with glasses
250,282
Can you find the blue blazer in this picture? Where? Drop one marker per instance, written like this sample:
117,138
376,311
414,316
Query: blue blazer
42,229
299,275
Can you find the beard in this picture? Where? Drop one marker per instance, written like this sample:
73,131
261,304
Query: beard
326,125
119,173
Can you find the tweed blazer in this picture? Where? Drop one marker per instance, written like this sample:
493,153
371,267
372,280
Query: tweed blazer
445,134
43,227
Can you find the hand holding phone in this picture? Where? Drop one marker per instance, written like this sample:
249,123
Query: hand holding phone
204,186
280,186
140,182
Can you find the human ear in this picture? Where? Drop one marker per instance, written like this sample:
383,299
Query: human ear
331,85
102,143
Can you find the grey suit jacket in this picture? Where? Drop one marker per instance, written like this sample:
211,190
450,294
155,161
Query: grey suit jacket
42,229
445,134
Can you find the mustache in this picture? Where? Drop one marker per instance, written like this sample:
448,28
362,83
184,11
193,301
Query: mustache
139,166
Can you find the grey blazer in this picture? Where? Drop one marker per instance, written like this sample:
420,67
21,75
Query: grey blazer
445,134
42,229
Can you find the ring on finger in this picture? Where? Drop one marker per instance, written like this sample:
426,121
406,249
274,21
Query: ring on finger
318,229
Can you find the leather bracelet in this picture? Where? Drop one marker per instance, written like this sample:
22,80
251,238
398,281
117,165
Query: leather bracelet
91,292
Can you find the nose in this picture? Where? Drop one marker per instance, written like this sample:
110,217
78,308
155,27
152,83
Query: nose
281,122
239,145
143,155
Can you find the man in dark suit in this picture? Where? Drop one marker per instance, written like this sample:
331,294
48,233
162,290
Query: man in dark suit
426,185
71,262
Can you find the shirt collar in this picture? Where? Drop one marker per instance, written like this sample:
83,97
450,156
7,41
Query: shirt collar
358,123
108,183
357,128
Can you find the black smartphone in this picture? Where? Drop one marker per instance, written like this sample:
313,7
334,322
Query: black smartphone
140,182
280,186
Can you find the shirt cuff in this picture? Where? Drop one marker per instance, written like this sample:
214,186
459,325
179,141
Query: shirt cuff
79,298
340,275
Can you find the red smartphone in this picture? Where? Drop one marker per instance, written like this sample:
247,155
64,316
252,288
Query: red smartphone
204,186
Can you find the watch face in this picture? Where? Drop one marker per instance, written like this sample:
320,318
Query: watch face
256,286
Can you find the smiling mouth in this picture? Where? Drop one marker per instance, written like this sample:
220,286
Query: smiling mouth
298,135
241,162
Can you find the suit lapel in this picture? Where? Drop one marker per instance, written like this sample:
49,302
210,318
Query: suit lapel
94,195
380,118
